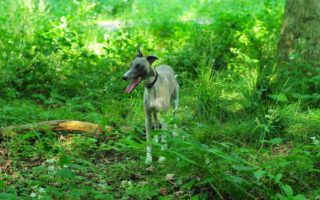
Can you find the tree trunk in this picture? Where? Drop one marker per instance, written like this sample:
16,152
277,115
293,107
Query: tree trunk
300,34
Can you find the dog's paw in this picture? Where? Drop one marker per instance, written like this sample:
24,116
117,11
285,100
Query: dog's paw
149,156
150,169
161,159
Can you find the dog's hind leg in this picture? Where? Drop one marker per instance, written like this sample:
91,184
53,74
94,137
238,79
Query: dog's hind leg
164,145
156,125
175,98
148,122
163,139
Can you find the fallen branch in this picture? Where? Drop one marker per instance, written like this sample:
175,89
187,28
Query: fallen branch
55,125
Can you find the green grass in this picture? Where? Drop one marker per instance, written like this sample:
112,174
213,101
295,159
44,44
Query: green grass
207,159
246,129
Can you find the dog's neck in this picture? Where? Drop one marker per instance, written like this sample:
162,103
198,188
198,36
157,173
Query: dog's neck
151,78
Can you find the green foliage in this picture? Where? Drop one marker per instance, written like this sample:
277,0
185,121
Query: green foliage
302,83
243,130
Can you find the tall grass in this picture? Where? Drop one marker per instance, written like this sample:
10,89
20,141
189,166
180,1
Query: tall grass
241,133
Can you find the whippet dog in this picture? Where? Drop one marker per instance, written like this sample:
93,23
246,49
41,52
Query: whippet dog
160,90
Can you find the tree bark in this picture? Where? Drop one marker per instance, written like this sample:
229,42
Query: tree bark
300,33
55,125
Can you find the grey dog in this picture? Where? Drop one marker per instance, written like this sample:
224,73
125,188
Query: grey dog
161,89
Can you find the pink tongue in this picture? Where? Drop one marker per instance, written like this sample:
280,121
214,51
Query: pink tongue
133,84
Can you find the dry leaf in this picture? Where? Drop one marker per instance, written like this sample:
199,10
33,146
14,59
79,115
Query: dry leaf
8,163
163,191
14,175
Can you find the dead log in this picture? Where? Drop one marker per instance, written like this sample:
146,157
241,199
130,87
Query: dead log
55,125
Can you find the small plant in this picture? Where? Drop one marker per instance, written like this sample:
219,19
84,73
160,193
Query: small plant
268,125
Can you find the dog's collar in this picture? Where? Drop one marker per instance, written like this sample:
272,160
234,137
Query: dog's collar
150,85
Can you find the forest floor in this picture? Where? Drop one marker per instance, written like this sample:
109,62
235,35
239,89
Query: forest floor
80,165
247,128
53,165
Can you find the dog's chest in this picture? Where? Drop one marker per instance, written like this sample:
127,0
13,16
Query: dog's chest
157,100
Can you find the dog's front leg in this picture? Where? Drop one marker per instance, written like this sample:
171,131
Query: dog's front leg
148,137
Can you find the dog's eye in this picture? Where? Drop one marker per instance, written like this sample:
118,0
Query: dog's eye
138,66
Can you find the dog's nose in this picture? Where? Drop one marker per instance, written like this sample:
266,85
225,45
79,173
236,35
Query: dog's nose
125,78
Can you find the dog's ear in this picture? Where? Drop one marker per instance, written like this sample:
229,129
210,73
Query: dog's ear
151,59
139,53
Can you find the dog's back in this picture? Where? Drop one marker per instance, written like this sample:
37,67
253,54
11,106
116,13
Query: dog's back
167,72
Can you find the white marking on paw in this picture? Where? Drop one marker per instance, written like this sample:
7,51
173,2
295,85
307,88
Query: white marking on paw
149,155
156,139
164,145
161,159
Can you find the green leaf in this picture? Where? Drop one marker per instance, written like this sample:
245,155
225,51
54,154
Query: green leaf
66,173
220,154
184,157
242,168
236,179
188,185
287,190
299,197
2,184
279,97
259,174
278,178
195,197
207,180
275,141
91,140
64,160
29,135
8,196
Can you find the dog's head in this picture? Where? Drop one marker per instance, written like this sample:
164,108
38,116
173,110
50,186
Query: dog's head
140,69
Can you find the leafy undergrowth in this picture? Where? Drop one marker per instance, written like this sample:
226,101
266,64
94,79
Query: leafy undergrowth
246,129
202,162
